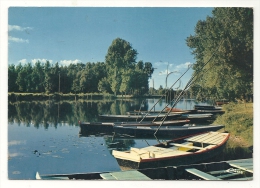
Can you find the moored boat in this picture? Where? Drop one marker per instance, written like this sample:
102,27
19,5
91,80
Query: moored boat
165,131
87,128
207,107
180,151
239,169
148,117
197,118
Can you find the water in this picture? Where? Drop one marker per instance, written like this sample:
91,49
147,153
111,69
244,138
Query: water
45,137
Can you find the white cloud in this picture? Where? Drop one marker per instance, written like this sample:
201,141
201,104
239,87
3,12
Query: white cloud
23,61
183,66
33,61
161,63
164,72
14,39
18,28
41,60
68,62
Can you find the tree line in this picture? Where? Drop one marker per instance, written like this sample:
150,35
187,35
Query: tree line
119,74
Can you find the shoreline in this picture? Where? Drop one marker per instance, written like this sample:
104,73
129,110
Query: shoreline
71,96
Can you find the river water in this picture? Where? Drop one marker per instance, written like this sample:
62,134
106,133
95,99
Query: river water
44,137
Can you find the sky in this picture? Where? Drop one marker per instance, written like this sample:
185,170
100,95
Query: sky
83,34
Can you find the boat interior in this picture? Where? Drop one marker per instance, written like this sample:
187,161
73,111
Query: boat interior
174,148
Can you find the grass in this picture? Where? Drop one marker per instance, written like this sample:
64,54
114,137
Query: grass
238,121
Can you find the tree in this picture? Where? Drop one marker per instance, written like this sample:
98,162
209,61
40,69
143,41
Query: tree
12,76
148,69
38,77
104,86
24,80
225,42
120,56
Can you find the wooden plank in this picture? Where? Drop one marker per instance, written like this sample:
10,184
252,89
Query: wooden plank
107,176
195,138
243,164
202,138
210,139
227,175
249,160
201,174
218,140
187,146
126,155
129,175
248,168
243,179
214,139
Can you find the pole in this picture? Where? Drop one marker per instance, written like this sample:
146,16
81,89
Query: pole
59,82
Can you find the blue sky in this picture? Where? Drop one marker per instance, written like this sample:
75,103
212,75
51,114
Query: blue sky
71,35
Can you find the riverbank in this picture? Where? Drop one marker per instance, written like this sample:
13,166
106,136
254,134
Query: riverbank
238,121
71,96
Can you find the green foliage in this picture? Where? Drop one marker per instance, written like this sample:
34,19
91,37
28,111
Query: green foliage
226,39
125,75
238,120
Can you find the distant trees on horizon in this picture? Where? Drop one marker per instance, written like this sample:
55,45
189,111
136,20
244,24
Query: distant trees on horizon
120,73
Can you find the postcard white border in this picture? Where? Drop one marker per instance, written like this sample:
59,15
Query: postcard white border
5,4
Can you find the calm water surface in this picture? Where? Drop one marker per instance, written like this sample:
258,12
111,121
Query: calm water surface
45,137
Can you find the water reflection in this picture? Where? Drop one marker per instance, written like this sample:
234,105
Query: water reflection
51,113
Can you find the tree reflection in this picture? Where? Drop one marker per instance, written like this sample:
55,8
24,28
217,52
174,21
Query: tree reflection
52,113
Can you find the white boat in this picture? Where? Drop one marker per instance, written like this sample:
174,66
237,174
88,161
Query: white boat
181,151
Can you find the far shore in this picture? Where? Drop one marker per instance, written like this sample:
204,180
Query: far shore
12,96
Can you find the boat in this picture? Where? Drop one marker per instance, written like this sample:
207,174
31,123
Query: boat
214,112
180,151
167,109
207,107
148,117
239,169
165,131
197,118
134,123
87,128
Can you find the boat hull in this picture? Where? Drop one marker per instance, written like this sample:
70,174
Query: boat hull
118,118
174,161
93,128
171,132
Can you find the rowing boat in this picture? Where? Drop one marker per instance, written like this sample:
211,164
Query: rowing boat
148,117
207,107
180,151
165,131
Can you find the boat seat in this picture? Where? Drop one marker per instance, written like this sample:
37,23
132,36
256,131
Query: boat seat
182,146
201,174
125,175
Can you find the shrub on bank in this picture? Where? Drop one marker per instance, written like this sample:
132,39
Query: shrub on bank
238,120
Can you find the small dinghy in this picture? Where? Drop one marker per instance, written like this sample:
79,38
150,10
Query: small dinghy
181,151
